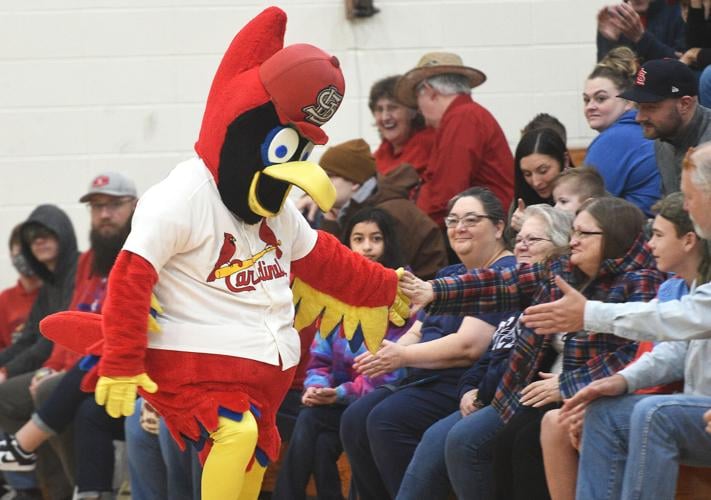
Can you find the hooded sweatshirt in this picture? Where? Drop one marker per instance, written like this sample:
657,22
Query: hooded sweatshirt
421,242
31,349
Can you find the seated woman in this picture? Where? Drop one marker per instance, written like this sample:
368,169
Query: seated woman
331,382
609,261
541,155
680,251
404,137
544,235
381,430
622,155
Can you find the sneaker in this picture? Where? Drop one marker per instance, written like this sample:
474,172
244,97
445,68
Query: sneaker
14,458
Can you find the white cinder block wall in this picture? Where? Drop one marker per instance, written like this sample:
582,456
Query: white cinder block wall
92,85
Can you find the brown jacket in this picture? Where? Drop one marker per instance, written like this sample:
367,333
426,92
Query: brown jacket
421,241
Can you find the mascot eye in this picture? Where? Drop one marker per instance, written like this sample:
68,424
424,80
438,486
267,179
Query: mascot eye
306,152
280,146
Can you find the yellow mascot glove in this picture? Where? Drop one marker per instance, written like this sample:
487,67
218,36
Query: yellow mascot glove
400,308
118,394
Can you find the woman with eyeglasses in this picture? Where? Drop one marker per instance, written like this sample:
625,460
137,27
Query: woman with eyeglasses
609,261
544,235
380,431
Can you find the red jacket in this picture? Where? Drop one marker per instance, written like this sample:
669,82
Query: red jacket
470,149
15,305
415,152
89,292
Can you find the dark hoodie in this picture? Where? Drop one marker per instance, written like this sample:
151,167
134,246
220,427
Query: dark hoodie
31,349
421,242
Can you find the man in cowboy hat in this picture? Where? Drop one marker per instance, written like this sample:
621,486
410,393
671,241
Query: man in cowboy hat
470,148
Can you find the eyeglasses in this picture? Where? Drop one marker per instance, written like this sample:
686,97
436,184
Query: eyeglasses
579,234
529,241
111,206
469,220
37,231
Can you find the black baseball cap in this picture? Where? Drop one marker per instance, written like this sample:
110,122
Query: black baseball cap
661,79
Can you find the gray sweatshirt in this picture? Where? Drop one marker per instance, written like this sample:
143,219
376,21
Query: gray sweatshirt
670,152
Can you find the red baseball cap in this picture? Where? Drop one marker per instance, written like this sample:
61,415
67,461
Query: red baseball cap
306,87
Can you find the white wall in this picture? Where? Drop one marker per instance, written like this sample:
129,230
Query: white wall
92,85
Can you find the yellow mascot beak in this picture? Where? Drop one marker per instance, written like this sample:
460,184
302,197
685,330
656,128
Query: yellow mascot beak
306,175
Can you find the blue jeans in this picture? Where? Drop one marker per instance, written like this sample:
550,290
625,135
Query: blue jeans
314,449
705,87
453,449
381,431
158,469
145,463
183,468
632,445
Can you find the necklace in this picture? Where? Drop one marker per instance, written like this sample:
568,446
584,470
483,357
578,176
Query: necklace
496,257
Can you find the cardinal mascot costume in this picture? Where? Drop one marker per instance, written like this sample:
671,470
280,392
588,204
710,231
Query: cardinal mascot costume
216,244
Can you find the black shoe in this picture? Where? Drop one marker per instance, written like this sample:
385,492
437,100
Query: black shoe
14,458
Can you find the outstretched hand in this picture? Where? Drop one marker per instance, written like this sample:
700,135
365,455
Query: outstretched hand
389,357
563,315
418,291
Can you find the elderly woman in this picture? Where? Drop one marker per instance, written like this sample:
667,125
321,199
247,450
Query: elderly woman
608,261
405,139
544,235
381,430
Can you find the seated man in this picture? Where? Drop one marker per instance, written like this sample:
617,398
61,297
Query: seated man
111,199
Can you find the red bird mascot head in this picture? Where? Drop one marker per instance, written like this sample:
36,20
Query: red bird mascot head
263,116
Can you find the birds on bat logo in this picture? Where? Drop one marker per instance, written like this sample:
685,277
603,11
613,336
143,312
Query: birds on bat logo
242,275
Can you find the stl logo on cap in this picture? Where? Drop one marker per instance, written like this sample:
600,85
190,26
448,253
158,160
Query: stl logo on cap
100,181
641,77
327,102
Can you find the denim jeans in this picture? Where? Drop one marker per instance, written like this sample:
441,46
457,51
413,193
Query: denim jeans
632,445
94,446
381,431
183,468
314,449
158,469
468,453
145,463
454,453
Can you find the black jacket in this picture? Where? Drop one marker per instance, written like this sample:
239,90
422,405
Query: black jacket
31,349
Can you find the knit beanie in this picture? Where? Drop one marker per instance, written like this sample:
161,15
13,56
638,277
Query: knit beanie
351,160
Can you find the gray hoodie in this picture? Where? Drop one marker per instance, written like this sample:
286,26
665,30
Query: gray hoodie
31,349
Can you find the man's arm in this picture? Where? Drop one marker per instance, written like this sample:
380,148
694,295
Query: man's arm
685,319
662,365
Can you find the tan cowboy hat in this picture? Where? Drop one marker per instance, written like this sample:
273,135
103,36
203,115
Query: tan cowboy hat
434,63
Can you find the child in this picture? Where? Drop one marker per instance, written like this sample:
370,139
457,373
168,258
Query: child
572,187
331,383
